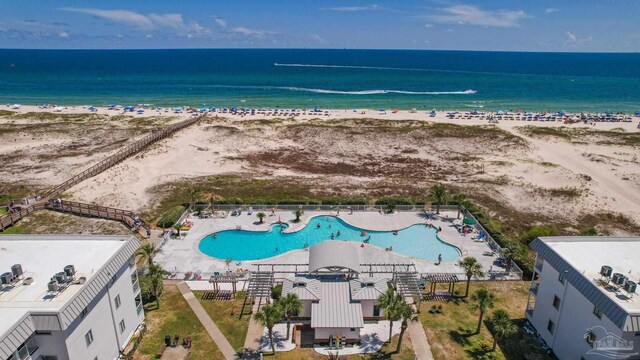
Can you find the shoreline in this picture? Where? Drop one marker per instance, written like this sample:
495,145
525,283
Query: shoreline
626,121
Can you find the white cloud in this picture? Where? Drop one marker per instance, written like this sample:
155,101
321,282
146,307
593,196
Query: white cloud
63,34
148,22
249,32
220,21
118,16
148,36
428,26
317,38
472,15
354,8
551,10
571,38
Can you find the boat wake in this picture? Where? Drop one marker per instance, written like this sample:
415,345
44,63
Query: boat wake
376,92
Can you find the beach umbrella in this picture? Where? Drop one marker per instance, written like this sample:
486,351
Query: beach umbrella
469,221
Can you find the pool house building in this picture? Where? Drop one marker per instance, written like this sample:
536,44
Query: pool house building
583,300
68,296
339,292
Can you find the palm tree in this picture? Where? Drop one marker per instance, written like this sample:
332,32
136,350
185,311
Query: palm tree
472,269
438,194
298,213
290,306
155,274
194,191
147,252
482,300
406,314
502,326
332,356
212,197
269,315
261,216
390,303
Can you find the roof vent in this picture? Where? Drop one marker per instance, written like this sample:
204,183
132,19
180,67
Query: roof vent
630,286
60,277
16,270
6,278
53,286
70,270
606,271
618,279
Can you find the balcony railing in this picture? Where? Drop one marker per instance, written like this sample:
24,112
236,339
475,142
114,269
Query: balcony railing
139,308
534,288
530,308
539,263
136,287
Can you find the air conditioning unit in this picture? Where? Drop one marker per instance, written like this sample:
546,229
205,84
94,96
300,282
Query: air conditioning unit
630,286
70,270
6,278
618,279
60,277
53,286
606,271
16,270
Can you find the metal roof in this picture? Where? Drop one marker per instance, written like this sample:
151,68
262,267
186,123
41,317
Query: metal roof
310,290
613,310
334,257
361,291
335,310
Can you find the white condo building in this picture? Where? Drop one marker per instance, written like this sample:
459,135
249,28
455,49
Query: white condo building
583,299
67,297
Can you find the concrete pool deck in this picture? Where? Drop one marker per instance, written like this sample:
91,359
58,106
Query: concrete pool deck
183,255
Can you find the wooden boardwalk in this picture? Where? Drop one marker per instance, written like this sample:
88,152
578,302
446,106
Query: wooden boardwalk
127,217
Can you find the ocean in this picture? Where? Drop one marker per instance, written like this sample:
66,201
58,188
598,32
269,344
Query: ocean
313,78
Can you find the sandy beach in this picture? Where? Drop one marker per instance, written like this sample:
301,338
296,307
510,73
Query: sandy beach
564,171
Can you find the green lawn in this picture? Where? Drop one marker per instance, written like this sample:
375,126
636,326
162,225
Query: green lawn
451,335
234,329
175,318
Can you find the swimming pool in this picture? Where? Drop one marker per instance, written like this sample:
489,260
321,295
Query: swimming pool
417,241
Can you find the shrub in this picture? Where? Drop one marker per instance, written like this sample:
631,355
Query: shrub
276,292
538,231
171,216
590,231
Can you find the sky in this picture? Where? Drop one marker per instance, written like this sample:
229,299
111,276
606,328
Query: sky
514,25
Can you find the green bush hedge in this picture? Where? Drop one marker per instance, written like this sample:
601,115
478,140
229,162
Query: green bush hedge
171,216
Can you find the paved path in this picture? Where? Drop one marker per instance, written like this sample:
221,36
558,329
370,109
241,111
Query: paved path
253,341
209,325
419,341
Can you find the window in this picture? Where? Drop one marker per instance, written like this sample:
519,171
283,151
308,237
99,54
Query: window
556,302
551,326
122,326
563,276
43,332
597,312
88,337
352,329
117,301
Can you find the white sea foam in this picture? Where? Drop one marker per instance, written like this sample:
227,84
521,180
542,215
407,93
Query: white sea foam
376,92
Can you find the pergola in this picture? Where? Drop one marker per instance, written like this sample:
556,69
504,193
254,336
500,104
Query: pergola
406,284
216,280
441,278
260,285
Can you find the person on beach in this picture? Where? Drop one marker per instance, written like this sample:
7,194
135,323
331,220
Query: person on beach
439,259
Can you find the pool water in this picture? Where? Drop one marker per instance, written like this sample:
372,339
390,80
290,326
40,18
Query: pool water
417,241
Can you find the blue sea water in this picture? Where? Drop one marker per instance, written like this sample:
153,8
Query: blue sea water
341,79
417,241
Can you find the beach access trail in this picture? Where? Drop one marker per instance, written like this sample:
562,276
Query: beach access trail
46,200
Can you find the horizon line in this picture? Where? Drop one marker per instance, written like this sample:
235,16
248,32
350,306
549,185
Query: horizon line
332,49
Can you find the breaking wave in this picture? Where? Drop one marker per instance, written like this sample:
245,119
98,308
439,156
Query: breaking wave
376,92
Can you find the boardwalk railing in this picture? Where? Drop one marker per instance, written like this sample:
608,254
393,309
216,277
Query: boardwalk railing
119,156
12,217
129,218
